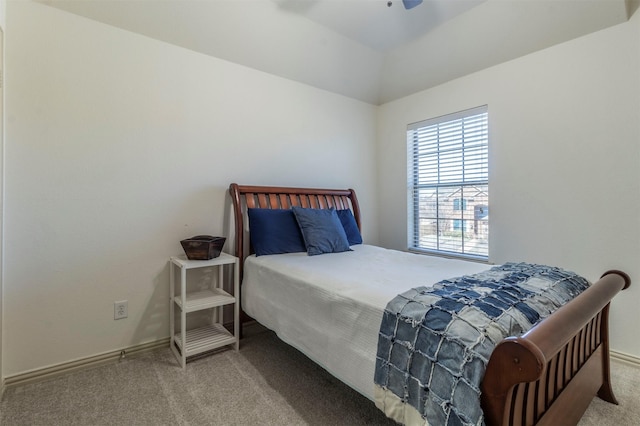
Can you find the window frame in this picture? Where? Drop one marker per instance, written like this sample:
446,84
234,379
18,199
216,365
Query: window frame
421,177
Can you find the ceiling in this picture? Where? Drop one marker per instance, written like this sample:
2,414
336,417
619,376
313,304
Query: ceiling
379,24
363,49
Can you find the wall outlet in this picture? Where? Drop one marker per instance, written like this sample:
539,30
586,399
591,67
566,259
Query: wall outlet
120,309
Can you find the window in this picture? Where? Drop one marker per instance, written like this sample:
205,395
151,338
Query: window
448,184
459,204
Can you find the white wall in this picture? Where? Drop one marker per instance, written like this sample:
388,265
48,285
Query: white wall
3,9
564,159
118,147
272,36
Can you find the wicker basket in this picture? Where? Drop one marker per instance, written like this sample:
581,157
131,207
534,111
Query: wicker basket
203,247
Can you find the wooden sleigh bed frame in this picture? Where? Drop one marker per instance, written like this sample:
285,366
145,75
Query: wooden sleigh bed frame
548,376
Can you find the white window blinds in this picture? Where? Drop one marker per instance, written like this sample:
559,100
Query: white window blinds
448,184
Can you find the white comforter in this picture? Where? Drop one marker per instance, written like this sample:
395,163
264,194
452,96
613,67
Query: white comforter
330,306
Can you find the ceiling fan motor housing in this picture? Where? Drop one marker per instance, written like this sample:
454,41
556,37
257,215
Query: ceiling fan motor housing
409,4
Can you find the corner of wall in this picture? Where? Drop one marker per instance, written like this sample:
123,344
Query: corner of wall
3,14
632,7
3,9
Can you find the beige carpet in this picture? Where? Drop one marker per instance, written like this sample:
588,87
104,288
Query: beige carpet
266,383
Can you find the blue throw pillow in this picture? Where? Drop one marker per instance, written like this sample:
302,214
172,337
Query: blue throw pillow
350,226
322,230
274,231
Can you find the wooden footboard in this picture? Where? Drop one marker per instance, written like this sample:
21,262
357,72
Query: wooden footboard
549,375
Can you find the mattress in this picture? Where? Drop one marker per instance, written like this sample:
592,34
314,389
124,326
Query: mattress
330,306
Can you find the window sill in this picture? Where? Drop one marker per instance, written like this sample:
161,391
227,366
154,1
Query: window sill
467,257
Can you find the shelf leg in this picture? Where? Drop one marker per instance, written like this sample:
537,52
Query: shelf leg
172,294
220,310
183,316
236,306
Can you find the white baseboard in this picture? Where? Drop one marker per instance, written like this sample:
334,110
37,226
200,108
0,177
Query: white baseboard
621,356
114,356
81,364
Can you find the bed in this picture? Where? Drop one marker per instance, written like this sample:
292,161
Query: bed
330,307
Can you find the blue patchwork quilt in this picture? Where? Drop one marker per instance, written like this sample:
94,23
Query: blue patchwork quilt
435,342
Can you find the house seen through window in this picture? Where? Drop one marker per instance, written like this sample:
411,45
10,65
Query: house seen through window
448,184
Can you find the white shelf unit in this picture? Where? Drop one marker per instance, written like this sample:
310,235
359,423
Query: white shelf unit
186,343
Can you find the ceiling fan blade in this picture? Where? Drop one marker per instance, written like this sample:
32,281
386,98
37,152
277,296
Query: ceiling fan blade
410,4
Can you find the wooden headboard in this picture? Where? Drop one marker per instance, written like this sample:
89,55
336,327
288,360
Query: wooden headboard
246,197
275,197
